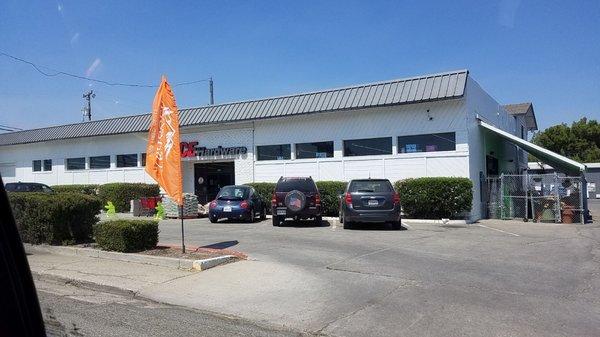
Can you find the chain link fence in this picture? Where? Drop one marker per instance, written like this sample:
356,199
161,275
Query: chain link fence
537,197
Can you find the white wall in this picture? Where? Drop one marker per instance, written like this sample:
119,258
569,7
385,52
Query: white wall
23,155
413,119
480,103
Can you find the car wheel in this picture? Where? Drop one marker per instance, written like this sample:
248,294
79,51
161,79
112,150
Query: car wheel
251,216
213,219
276,221
396,225
263,214
318,220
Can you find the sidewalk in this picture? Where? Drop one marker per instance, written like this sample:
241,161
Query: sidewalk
112,275
270,294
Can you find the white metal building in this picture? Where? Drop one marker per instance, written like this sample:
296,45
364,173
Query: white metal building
425,126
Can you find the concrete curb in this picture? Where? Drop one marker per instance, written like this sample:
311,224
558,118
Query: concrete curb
439,222
84,284
170,262
212,262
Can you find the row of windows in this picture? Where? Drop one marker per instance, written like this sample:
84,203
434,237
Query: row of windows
103,162
361,147
37,165
97,162
304,150
352,148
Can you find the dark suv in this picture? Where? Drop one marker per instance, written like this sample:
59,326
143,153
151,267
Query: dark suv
28,187
370,200
297,198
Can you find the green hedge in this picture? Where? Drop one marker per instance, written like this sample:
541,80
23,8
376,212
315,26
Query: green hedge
120,194
435,197
89,189
330,191
265,191
60,218
126,235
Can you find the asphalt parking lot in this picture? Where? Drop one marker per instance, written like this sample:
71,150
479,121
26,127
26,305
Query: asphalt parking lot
493,278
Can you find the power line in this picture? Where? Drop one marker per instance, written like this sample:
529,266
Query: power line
64,73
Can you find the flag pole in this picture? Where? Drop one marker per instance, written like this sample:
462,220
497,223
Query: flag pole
182,233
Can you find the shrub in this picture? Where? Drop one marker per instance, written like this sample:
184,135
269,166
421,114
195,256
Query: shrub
120,194
265,191
435,197
330,191
61,218
89,189
126,235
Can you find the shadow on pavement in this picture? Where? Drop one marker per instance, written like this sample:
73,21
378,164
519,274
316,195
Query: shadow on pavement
304,224
375,227
222,245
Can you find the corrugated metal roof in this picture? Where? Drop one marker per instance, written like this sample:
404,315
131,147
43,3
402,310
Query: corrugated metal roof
401,91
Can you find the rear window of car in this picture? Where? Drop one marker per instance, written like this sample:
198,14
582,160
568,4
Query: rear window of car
233,192
10,187
370,186
290,184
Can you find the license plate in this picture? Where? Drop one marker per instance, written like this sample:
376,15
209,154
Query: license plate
281,212
227,209
373,203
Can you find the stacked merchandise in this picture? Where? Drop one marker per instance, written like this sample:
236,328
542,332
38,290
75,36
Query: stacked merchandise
190,206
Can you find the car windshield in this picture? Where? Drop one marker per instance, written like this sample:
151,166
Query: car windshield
233,193
370,186
304,185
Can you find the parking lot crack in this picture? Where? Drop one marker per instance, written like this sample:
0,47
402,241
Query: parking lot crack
371,303
357,257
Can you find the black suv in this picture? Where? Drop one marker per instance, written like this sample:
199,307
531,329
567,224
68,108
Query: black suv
28,187
370,200
297,198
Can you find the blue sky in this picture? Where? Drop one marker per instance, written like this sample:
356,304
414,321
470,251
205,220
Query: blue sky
546,52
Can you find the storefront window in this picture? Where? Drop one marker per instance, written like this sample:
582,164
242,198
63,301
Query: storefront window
368,146
143,159
37,165
127,160
427,143
100,162
76,163
47,164
314,150
274,152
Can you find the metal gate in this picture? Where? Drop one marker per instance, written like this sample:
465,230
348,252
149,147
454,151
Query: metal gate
537,197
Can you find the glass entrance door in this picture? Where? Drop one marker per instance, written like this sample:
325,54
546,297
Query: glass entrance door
210,178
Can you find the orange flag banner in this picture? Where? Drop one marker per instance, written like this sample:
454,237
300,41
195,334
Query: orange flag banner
163,156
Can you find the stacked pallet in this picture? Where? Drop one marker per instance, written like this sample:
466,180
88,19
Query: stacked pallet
190,206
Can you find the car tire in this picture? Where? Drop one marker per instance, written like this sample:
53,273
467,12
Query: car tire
276,221
263,214
318,220
396,225
348,225
251,217
212,219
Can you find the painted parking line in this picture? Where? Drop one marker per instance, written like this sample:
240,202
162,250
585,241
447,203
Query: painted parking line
499,230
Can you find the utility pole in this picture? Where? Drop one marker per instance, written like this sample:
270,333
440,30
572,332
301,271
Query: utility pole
212,93
87,111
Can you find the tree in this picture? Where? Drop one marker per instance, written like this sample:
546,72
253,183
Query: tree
580,141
